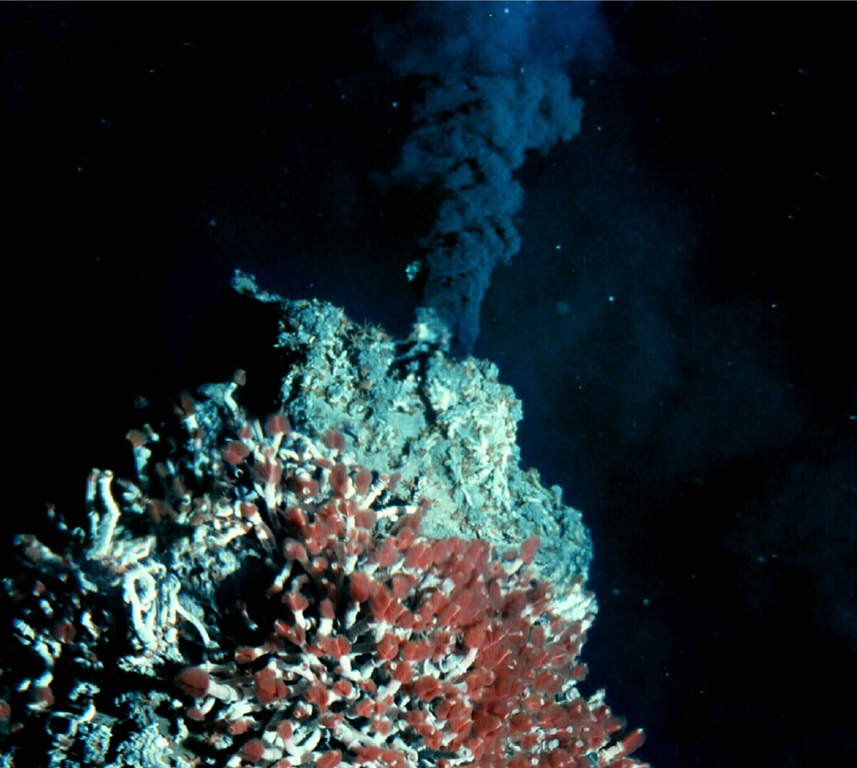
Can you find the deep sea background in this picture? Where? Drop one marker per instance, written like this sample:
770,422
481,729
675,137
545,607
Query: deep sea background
679,323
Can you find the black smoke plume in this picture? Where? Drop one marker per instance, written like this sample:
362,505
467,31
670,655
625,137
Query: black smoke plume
494,86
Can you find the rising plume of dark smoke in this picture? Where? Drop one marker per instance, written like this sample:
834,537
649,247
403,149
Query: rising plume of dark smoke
494,86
